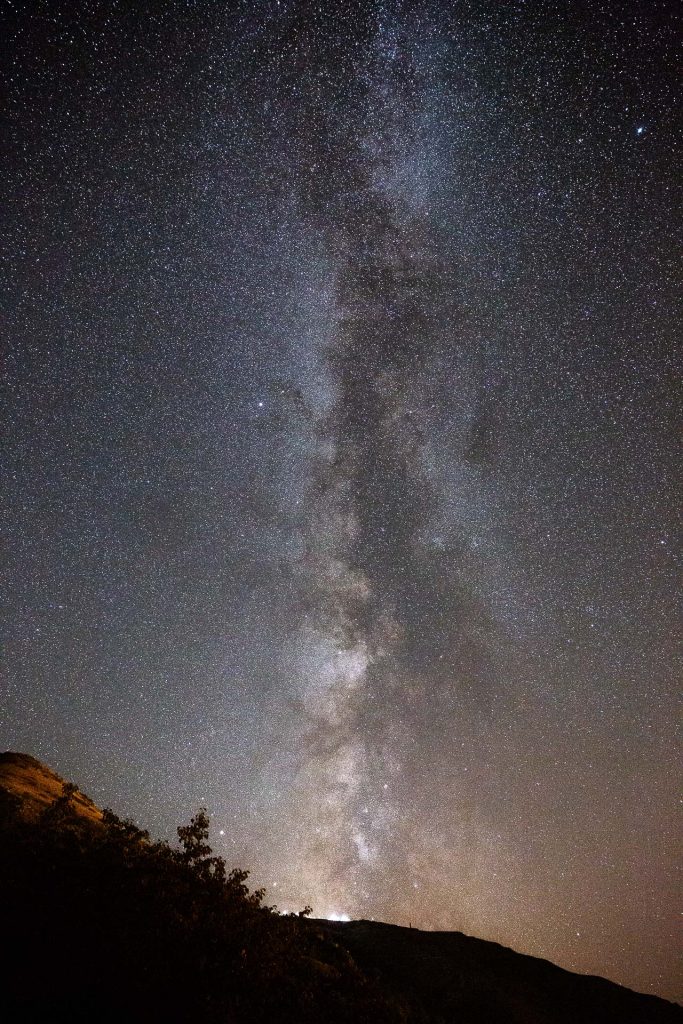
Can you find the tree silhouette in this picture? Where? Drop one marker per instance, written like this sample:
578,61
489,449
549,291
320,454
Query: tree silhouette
158,933
62,809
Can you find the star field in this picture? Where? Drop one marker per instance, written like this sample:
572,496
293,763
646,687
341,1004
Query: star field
340,466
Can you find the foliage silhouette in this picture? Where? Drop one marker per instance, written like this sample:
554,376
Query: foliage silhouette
101,923
105,924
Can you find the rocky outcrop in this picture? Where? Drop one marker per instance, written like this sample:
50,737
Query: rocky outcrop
37,787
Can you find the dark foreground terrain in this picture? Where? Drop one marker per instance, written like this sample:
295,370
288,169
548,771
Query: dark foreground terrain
101,924
452,977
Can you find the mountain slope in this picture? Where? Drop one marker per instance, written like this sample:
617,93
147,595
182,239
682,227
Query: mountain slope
101,923
37,787
452,976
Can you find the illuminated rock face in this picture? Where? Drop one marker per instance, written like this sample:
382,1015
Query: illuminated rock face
37,787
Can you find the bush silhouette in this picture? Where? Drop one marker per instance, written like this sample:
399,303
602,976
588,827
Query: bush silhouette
105,924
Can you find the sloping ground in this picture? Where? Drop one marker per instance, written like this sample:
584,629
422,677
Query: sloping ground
37,787
99,923
101,895
453,977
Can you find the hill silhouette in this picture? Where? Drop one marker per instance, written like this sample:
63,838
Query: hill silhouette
100,923
454,977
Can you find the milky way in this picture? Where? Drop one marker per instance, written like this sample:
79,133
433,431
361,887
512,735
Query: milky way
341,469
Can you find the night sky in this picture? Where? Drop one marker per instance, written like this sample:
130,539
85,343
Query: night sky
339,464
